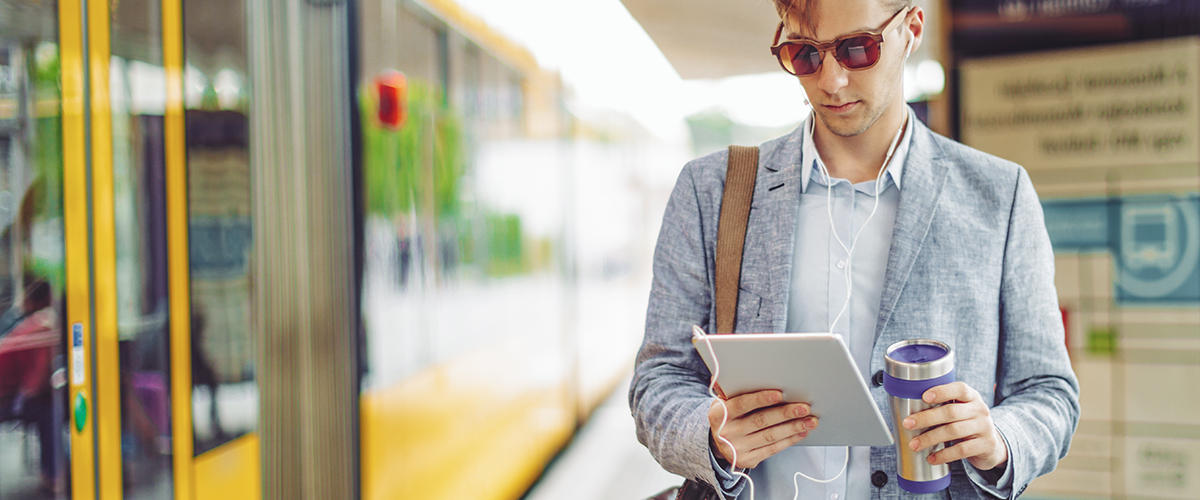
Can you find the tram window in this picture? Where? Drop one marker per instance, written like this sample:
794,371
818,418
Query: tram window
220,230
137,90
33,447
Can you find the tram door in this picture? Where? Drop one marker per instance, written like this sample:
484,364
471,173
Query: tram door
123,308
47,383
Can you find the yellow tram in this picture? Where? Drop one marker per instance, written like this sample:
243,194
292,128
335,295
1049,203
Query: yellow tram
307,249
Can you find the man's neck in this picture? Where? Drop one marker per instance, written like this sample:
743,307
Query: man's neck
858,158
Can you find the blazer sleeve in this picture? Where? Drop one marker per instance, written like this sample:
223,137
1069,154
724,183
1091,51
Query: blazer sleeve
1037,394
668,396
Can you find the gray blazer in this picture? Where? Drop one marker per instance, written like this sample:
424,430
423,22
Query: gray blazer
970,264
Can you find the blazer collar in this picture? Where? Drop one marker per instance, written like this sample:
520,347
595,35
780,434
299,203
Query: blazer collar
925,172
777,194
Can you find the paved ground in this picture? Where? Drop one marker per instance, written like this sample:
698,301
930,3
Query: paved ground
605,461
18,464
19,470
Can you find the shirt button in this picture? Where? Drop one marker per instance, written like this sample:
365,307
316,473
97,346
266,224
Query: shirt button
877,379
833,496
841,264
879,478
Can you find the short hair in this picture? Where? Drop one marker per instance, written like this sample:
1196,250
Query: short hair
805,10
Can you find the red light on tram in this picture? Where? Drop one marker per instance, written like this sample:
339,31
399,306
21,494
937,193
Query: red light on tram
392,90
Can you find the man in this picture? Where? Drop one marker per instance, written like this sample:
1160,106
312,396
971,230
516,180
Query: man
942,241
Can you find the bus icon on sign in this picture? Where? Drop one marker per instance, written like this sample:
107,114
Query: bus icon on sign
1149,237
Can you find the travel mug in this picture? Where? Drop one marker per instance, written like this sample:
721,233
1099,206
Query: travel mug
913,367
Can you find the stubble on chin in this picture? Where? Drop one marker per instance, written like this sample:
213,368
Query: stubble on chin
852,126
847,127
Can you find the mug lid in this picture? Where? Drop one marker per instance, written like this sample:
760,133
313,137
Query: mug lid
919,359
919,353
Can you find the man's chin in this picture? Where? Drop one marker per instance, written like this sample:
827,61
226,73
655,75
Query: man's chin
843,126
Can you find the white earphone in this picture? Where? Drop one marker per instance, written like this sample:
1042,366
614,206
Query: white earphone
698,333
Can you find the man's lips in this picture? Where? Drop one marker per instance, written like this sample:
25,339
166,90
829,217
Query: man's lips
841,109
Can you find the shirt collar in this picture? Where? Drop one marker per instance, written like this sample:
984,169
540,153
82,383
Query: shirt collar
809,155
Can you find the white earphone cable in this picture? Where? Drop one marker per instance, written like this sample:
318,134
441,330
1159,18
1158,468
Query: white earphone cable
697,332
829,209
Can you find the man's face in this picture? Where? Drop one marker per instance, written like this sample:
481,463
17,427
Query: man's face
850,102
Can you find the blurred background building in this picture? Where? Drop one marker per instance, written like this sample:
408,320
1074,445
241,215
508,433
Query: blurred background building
401,248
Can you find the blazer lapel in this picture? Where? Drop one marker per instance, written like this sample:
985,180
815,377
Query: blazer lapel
923,179
776,198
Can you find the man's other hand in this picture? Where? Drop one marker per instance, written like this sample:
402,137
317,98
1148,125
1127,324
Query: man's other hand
963,418
757,426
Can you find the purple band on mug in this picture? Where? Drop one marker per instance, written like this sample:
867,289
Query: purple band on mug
924,486
913,389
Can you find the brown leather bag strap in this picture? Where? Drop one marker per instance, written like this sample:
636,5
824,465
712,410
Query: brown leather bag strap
740,175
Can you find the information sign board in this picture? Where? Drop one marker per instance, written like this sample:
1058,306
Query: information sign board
1128,105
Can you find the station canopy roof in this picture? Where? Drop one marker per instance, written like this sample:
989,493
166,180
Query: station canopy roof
710,38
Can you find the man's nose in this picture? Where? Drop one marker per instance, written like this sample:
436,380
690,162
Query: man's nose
831,76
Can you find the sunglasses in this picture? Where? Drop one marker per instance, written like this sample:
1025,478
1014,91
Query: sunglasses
854,51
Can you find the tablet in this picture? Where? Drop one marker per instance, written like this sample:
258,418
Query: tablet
815,368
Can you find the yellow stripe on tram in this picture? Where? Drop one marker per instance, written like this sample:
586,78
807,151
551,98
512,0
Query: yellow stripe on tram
177,252
230,471
75,228
104,256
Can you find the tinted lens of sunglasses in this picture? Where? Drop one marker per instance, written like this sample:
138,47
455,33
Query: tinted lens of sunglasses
801,59
858,52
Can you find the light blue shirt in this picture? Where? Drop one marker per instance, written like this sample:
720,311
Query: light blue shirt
831,209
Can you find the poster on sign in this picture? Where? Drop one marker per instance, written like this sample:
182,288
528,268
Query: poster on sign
1116,106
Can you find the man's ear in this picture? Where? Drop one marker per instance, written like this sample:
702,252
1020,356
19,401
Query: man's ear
915,26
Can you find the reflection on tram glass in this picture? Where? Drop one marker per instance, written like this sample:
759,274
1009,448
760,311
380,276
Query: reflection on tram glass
33,424
220,231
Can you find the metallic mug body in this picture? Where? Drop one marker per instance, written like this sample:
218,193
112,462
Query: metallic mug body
912,367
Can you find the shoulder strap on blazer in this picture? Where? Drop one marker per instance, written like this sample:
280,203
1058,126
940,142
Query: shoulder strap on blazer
740,175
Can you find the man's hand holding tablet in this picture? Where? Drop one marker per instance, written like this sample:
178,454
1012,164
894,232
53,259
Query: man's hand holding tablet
758,426
775,380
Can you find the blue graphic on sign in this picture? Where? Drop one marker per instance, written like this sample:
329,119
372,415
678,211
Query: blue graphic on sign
1154,240
1157,251
1078,225
77,335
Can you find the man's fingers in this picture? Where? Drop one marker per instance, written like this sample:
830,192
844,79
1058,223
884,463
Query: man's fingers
954,391
747,403
765,418
963,449
977,450
949,432
781,431
943,414
756,456
755,421
745,443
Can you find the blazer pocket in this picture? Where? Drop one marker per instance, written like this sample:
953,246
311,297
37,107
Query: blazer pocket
749,305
